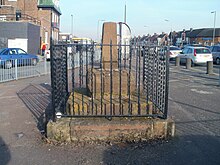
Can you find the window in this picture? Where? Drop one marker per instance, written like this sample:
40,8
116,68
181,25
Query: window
6,52
185,50
218,49
189,51
1,50
202,51
12,52
20,51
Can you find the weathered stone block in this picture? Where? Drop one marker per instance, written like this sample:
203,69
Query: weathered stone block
59,131
116,130
109,35
95,85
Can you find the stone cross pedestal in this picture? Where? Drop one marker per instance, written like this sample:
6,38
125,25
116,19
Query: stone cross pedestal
111,89
109,36
101,85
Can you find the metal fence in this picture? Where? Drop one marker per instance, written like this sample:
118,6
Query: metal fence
132,82
22,68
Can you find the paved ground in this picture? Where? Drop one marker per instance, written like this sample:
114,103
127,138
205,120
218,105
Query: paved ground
194,105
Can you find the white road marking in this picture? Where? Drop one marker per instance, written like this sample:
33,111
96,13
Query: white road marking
201,91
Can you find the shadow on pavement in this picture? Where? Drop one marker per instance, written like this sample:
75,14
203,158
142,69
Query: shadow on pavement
193,106
5,155
192,149
37,99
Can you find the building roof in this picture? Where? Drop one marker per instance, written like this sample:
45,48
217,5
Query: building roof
161,35
50,4
204,32
145,38
194,33
209,32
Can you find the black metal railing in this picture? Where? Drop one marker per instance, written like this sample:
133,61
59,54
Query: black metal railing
156,78
59,78
109,80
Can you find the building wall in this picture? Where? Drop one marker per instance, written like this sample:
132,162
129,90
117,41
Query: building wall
7,10
208,42
44,16
13,29
26,6
22,30
33,36
29,7
12,3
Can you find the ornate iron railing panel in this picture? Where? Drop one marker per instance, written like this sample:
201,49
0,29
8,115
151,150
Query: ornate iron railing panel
156,78
59,78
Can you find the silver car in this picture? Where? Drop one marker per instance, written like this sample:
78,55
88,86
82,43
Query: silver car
216,54
198,55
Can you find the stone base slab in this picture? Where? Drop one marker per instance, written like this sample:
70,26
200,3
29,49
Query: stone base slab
116,130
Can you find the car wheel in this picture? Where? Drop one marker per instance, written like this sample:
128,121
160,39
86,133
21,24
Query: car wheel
217,61
34,62
8,64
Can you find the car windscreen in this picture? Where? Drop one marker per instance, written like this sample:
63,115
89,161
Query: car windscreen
1,50
202,51
174,48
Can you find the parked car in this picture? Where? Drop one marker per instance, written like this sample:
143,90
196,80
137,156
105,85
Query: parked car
209,47
9,55
198,55
194,45
216,54
174,51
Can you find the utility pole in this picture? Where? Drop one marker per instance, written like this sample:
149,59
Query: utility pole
125,14
71,24
213,39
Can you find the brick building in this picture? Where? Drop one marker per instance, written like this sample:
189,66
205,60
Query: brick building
202,36
45,13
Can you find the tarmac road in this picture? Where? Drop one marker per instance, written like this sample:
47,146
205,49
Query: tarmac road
194,104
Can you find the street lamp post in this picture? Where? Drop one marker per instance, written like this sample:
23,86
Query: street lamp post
71,24
98,28
213,40
171,37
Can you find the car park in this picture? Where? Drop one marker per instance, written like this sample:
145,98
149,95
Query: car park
216,54
198,55
9,56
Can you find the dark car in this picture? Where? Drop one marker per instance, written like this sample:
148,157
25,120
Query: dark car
9,57
216,54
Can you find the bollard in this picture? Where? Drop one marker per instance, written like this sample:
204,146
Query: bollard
188,63
16,69
177,62
219,77
209,67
